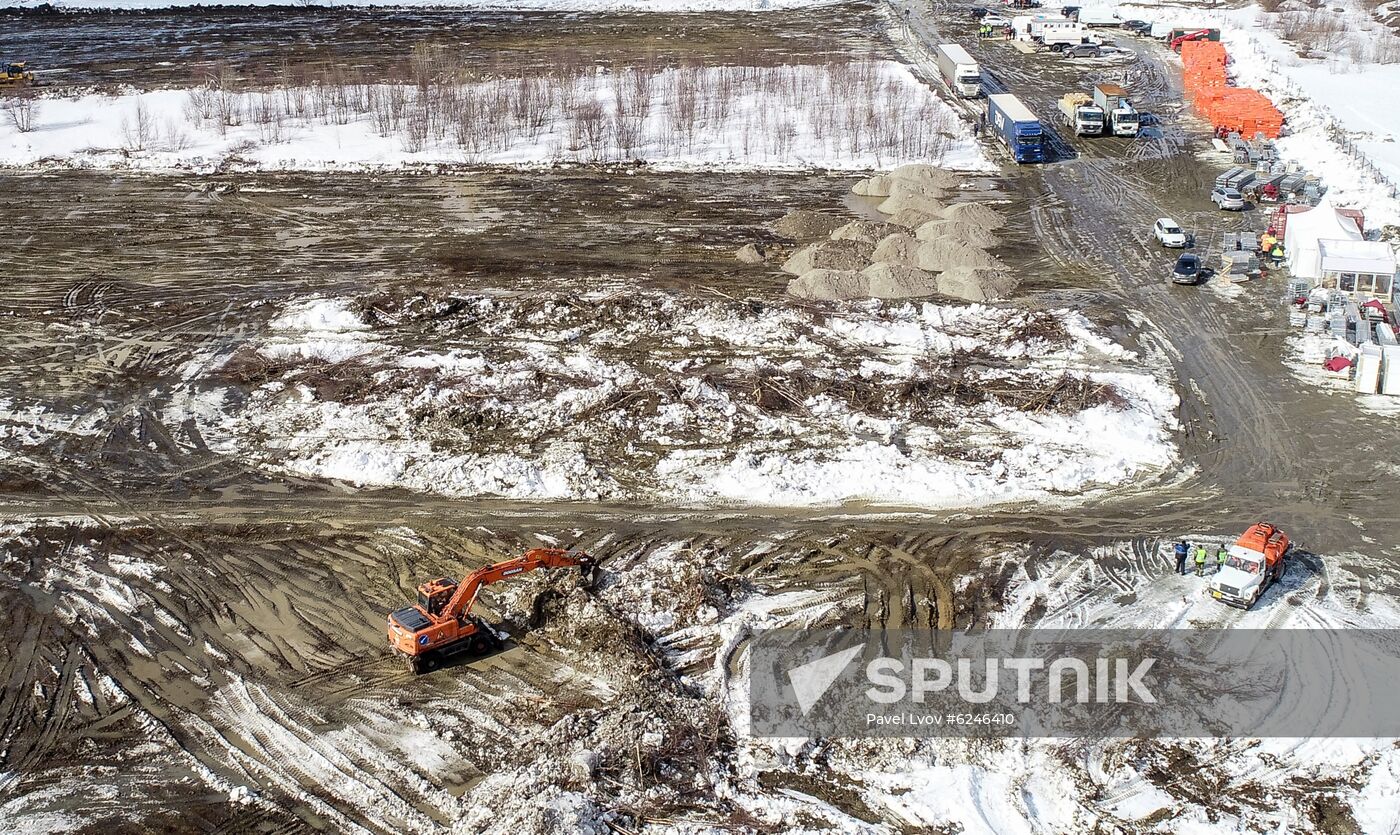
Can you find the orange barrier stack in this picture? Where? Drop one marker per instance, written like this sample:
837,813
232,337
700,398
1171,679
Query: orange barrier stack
1233,108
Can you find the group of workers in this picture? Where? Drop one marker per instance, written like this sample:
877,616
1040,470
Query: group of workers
1271,247
1200,555
987,30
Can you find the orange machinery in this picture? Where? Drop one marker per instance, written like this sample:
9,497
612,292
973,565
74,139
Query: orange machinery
1265,539
441,622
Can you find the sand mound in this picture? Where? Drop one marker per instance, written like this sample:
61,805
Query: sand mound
877,186
978,236
902,199
861,230
829,285
976,214
896,281
899,248
952,254
830,255
751,254
926,174
976,285
912,218
806,225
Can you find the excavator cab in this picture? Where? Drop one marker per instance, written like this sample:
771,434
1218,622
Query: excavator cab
434,594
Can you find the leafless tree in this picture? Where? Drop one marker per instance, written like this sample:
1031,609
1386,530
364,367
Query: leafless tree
22,112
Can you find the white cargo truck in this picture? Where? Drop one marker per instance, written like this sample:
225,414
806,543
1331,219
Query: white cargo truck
1055,33
1078,111
1119,115
959,71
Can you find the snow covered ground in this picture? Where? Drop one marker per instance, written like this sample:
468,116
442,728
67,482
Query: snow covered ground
606,397
1339,85
844,115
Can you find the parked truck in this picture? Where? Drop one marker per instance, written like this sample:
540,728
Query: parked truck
1253,563
1018,127
1063,33
1078,111
1120,118
959,71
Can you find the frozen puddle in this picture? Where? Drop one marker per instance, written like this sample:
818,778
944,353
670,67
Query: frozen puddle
611,396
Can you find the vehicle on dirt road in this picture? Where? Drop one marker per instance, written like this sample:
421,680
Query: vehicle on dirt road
1120,117
1078,111
15,75
1137,27
960,72
1253,563
1017,126
441,623
1187,270
1169,233
1083,50
1228,199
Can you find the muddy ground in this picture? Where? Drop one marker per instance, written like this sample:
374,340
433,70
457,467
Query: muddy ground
231,622
174,48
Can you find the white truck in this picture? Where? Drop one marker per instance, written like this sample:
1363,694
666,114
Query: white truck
1079,112
1253,563
959,71
1120,118
1066,33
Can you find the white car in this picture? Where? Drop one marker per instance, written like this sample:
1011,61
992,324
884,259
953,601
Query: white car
1228,199
1169,233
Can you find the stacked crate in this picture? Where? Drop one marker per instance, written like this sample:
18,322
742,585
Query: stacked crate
1208,89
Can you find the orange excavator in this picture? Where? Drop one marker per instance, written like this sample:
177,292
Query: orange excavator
442,624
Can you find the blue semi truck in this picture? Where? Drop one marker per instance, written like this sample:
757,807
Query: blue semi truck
1017,126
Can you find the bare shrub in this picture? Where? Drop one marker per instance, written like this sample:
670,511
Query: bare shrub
22,113
138,129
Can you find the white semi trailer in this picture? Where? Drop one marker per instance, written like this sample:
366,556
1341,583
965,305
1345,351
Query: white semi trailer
959,71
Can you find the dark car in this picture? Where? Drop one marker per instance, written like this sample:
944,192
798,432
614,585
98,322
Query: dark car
1139,27
1083,50
979,13
1187,270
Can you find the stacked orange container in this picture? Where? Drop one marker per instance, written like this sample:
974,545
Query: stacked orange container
1233,108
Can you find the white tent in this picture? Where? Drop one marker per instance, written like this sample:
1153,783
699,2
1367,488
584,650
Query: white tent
1306,229
1354,256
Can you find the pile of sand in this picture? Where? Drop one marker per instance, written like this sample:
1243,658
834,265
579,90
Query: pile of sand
899,248
905,199
805,225
861,230
830,255
976,284
979,236
895,281
975,214
751,254
876,186
929,175
952,254
912,218
829,285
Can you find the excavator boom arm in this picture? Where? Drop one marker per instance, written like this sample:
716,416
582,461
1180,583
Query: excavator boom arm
467,590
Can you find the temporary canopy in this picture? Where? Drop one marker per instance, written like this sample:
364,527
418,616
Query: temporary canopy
1305,231
1351,256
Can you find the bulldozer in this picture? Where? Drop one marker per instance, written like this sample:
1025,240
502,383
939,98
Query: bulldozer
15,75
441,624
